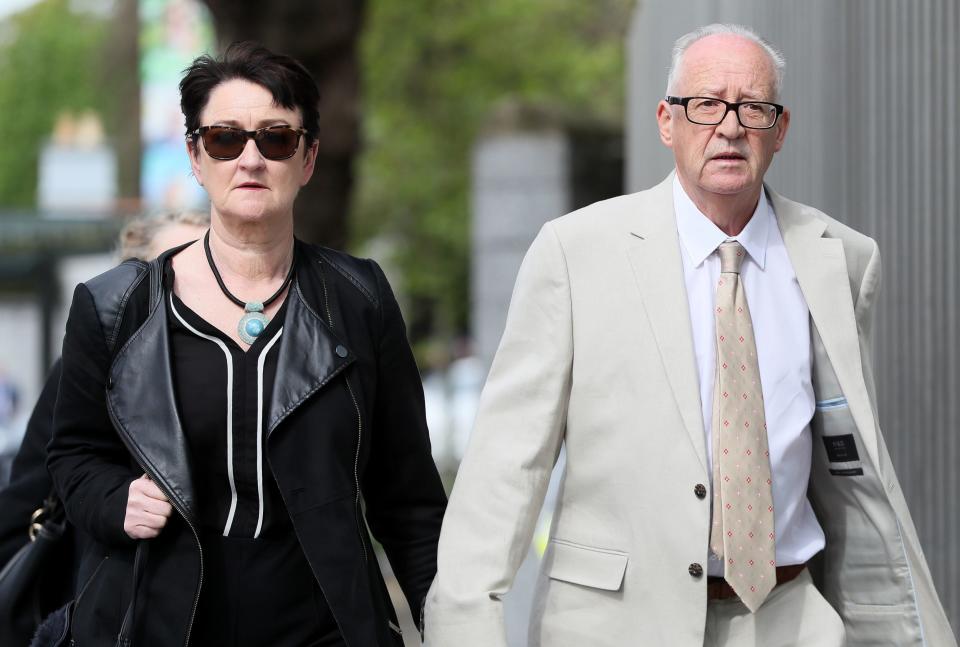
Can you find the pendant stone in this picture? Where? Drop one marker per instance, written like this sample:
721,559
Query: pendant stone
252,323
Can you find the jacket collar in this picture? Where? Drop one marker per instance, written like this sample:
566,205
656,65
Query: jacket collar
310,353
820,263
700,237
140,396
821,268
654,254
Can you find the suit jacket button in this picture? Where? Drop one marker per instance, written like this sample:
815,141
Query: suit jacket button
695,570
341,350
109,383
700,490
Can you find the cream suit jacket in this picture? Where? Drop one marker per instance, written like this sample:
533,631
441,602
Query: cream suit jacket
597,355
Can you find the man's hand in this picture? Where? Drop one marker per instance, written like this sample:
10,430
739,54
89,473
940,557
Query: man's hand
147,509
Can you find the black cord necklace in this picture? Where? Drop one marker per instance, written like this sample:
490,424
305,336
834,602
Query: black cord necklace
253,322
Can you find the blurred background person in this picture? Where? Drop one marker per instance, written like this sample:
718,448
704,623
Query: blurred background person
148,237
262,416
30,483
9,399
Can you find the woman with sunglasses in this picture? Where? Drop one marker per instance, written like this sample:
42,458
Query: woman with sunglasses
228,445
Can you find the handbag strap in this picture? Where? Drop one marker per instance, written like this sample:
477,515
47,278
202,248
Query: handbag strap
126,628
124,638
154,275
49,519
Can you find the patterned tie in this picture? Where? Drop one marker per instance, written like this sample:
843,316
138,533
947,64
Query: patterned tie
742,533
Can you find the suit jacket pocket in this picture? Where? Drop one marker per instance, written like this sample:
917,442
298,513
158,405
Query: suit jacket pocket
599,568
873,625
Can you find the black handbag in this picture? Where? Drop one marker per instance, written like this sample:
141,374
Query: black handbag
37,579
54,631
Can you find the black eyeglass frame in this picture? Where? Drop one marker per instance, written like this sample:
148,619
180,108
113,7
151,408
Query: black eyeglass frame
684,101
249,134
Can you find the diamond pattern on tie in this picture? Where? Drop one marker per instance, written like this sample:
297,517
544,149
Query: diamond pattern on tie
742,533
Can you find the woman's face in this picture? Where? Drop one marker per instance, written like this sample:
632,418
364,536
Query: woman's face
250,188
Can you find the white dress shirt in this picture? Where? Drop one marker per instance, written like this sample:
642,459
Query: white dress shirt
781,324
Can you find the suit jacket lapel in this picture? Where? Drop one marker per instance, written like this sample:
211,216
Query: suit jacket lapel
654,253
821,268
310,356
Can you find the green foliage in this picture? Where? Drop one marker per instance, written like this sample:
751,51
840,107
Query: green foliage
49,63
433,70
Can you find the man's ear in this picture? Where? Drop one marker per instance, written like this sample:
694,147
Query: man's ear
665,123
782,125
193,152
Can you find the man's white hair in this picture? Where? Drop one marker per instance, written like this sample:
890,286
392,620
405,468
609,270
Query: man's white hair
683,43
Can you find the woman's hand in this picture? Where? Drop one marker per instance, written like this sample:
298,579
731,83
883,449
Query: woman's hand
147,509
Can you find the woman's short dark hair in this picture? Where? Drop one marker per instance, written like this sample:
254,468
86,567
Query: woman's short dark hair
287,80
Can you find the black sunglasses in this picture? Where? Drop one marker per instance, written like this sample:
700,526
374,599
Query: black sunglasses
227,143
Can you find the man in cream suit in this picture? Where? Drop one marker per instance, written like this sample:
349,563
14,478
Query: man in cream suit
702,350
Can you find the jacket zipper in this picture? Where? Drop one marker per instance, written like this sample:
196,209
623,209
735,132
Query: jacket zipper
353,397
356,462
196,536
196,597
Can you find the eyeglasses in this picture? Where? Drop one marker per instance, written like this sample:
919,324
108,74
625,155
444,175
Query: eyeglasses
226,143
710,111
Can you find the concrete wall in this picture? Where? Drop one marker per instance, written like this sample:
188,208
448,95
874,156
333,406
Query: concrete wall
531,165
874,88
519,182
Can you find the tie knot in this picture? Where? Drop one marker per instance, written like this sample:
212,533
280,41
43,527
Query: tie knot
731,256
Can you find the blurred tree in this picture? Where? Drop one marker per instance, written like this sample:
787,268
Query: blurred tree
50,57
120,72
433,70
321,34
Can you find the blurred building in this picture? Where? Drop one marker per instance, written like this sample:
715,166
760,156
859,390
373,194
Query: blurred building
78,168
44,254
530,165
41,259
874,92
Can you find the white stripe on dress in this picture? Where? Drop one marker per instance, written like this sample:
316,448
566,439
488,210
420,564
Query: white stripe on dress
226,353
260,361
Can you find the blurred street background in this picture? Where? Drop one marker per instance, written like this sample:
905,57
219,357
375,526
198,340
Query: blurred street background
450,132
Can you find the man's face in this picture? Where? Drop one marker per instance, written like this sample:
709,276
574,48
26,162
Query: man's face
725,159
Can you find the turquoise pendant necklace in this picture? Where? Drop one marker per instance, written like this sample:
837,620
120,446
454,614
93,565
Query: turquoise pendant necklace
253,322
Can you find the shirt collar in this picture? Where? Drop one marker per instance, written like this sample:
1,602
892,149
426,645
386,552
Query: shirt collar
700,237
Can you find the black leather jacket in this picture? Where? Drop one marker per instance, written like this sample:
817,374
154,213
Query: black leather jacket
346,442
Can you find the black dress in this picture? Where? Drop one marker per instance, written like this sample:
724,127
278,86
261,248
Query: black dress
258,588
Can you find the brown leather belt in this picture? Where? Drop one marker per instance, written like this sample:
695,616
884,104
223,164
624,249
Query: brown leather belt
718,589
